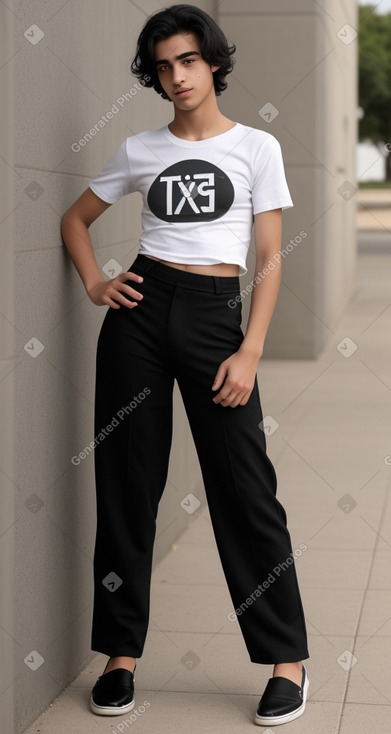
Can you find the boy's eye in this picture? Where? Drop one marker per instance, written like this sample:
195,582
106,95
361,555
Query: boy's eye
185,61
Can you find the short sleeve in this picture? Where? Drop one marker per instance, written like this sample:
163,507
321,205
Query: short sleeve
270,189
115,179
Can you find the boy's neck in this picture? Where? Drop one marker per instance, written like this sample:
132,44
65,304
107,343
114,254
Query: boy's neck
204,122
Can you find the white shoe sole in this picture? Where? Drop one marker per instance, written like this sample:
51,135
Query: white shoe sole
111,710
285,718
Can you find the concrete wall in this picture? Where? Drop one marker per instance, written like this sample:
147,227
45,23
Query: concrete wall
58,80
8,512
290,56
59,87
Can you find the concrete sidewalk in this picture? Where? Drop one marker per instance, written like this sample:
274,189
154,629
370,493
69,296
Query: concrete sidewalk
330,452
374,210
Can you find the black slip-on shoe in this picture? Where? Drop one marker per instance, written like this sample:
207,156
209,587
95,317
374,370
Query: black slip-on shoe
282,701
113,693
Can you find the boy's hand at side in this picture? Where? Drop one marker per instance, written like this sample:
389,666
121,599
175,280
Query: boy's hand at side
238,375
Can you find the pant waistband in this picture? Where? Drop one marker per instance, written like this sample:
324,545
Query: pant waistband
195,281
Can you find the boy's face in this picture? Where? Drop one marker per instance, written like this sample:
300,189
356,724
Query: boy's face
185,76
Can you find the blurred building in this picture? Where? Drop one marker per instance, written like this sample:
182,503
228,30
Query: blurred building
371,164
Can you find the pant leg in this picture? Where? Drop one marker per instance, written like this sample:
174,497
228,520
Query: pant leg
134,387
240,482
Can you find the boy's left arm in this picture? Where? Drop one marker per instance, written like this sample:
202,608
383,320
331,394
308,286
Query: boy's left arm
236,375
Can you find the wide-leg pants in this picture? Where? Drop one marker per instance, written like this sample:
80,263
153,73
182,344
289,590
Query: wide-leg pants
183,328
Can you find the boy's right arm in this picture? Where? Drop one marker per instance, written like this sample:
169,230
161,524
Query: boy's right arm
74,229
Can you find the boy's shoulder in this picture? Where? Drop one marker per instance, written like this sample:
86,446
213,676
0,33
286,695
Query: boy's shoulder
257,136
145,135
251,135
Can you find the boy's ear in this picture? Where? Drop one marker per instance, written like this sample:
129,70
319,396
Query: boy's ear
214,67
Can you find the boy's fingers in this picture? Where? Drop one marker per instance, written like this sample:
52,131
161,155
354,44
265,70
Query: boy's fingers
219,379
122,287
130,275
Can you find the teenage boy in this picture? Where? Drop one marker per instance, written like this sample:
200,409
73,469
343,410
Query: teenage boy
176,314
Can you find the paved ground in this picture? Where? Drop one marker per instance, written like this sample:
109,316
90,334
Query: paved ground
374,210
330,454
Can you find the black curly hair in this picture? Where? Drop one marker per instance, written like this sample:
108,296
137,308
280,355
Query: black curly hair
182,19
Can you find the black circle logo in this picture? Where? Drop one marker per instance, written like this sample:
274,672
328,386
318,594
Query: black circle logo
191,191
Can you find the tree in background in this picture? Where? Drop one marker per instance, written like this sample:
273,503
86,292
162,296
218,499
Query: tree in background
375,78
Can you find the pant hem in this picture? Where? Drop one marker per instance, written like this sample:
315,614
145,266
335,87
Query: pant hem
115,653
281,658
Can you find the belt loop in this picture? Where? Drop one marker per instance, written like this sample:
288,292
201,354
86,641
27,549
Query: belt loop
217,283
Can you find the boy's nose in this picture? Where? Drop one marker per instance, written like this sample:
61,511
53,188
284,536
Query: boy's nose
178,75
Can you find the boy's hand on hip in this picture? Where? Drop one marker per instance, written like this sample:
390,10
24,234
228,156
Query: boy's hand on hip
112,292
235,377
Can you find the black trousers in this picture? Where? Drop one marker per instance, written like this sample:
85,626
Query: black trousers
184,327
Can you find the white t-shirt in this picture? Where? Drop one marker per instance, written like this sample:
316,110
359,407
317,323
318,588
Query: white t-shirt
199,197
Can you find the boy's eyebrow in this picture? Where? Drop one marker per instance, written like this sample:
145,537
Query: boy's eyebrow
178,58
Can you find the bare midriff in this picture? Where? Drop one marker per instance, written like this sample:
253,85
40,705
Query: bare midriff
223,269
